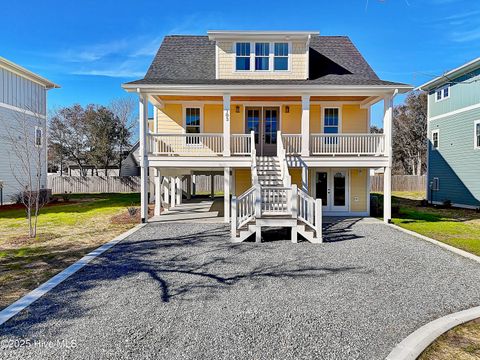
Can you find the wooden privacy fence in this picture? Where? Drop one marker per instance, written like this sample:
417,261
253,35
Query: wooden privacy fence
400,183
117,184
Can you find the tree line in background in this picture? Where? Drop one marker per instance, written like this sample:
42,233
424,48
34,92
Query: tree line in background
409,135
94,135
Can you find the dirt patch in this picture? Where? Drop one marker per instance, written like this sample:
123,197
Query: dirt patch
10,207
126,218
23,240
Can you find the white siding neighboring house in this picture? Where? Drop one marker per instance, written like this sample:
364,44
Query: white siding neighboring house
23,97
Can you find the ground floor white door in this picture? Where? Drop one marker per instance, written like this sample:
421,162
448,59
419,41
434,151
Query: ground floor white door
331,185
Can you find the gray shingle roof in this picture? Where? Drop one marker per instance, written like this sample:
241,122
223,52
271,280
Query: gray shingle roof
334,60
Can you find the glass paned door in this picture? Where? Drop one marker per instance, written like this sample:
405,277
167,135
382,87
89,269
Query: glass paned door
321,188
339,190
331,185
270,127
253,123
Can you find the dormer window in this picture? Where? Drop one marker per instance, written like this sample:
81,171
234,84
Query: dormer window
262,55
442,93
280,60
243,56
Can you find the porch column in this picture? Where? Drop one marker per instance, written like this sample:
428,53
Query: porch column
166,198
189,187
212,186
143,119
158,192
194,185
305,178
387,173
178,180
226,194
226,125
305,125
151,185
172,192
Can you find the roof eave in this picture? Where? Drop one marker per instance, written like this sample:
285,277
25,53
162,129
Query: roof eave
21,71
264,35
440,80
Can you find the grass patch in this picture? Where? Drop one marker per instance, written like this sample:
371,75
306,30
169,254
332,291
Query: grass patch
66,232
456,227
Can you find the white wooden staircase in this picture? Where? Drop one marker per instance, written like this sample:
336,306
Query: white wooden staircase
273,201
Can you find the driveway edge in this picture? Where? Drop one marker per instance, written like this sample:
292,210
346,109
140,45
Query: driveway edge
414,344
439,243
32,296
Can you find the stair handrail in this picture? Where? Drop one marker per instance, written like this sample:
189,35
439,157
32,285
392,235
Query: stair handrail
243,209
282,159
309,211
253,155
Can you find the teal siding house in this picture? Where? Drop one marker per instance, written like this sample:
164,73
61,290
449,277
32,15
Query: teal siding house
454,136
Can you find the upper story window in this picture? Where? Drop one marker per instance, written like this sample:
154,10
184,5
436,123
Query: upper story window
331,120
38,136
242,56
442,93
280,60
435,139
477,134
262,56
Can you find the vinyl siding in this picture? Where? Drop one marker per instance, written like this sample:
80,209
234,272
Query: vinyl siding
213,118
237,120
170,119
226,64
456,163
243,181
22,93
463,94
11,173
358,190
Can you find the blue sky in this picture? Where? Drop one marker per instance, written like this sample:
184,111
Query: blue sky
91,47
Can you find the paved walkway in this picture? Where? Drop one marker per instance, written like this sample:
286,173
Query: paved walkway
173,291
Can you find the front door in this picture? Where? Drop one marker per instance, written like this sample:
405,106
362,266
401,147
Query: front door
264,122
331,185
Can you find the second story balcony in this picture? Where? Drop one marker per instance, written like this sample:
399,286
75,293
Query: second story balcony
213,145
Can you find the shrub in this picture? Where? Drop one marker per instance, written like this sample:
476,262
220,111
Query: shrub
66,197
447,204
132,210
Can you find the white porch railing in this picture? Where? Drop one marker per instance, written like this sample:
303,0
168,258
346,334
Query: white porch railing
243,209
309,211
240,144
347,144
186,144
292,143
276,200
282,159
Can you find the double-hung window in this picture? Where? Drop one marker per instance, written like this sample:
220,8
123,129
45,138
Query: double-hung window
192,124
331,119
38,136
262,56
477,134
442,93
280,58
242,61
435,139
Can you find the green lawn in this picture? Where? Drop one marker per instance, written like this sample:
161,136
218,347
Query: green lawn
66,232
455,227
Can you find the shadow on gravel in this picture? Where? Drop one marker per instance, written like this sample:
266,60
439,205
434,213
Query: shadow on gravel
187,267
340,229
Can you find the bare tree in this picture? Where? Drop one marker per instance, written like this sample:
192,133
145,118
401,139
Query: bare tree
25,138
123,109
410,134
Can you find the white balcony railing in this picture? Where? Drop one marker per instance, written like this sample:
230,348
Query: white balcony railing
347,144
186,144
292,143
240,144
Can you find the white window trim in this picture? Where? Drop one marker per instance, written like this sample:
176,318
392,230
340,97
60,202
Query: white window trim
270,59
436,131
41,137
192,106
322,110
475,135
442,92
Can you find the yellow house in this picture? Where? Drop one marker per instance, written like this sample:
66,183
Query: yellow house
284,115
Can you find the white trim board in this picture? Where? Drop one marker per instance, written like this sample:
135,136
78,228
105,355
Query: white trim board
34,295
458,111
23,111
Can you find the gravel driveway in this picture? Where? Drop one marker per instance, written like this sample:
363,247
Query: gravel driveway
181,291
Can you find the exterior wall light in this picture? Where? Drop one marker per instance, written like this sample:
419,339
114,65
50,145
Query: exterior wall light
237,109
287,109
